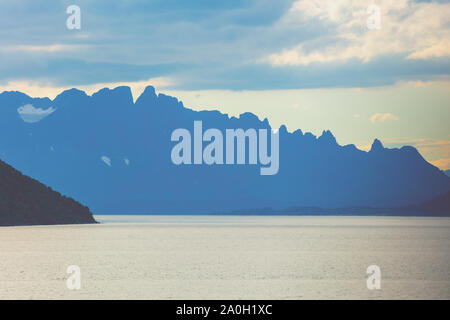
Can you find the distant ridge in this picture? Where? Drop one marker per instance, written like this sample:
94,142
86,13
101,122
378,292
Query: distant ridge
447,172
436,207
25,201
114,155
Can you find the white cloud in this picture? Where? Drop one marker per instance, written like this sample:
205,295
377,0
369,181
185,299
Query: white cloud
443,164
440,49
418,30
381,117
44,48
30,114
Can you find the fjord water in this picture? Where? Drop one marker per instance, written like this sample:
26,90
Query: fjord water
229,257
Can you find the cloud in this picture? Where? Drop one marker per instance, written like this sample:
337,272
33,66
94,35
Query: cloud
30,114
431,143
440,49
44,48
443,164
418,30
220,44
422,143
381,117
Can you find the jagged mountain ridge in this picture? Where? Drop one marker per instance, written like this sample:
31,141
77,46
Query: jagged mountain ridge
64,150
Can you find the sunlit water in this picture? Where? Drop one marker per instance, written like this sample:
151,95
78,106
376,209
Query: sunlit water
218,257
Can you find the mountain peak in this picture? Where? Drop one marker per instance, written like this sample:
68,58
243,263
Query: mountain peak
149,93
124,90
149,90
121,94
327,136
70,93
376,146
15,93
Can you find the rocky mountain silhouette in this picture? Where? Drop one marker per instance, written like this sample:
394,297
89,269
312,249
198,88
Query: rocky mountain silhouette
114,155
25,201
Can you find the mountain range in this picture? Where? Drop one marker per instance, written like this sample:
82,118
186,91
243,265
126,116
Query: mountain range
114,155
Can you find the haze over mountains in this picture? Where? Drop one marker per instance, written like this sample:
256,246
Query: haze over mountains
113,155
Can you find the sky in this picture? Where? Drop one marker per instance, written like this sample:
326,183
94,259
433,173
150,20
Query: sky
362,69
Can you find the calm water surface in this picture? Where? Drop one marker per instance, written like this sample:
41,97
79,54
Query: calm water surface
224,257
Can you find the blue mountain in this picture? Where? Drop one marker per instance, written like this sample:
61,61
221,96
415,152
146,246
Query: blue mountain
114,156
